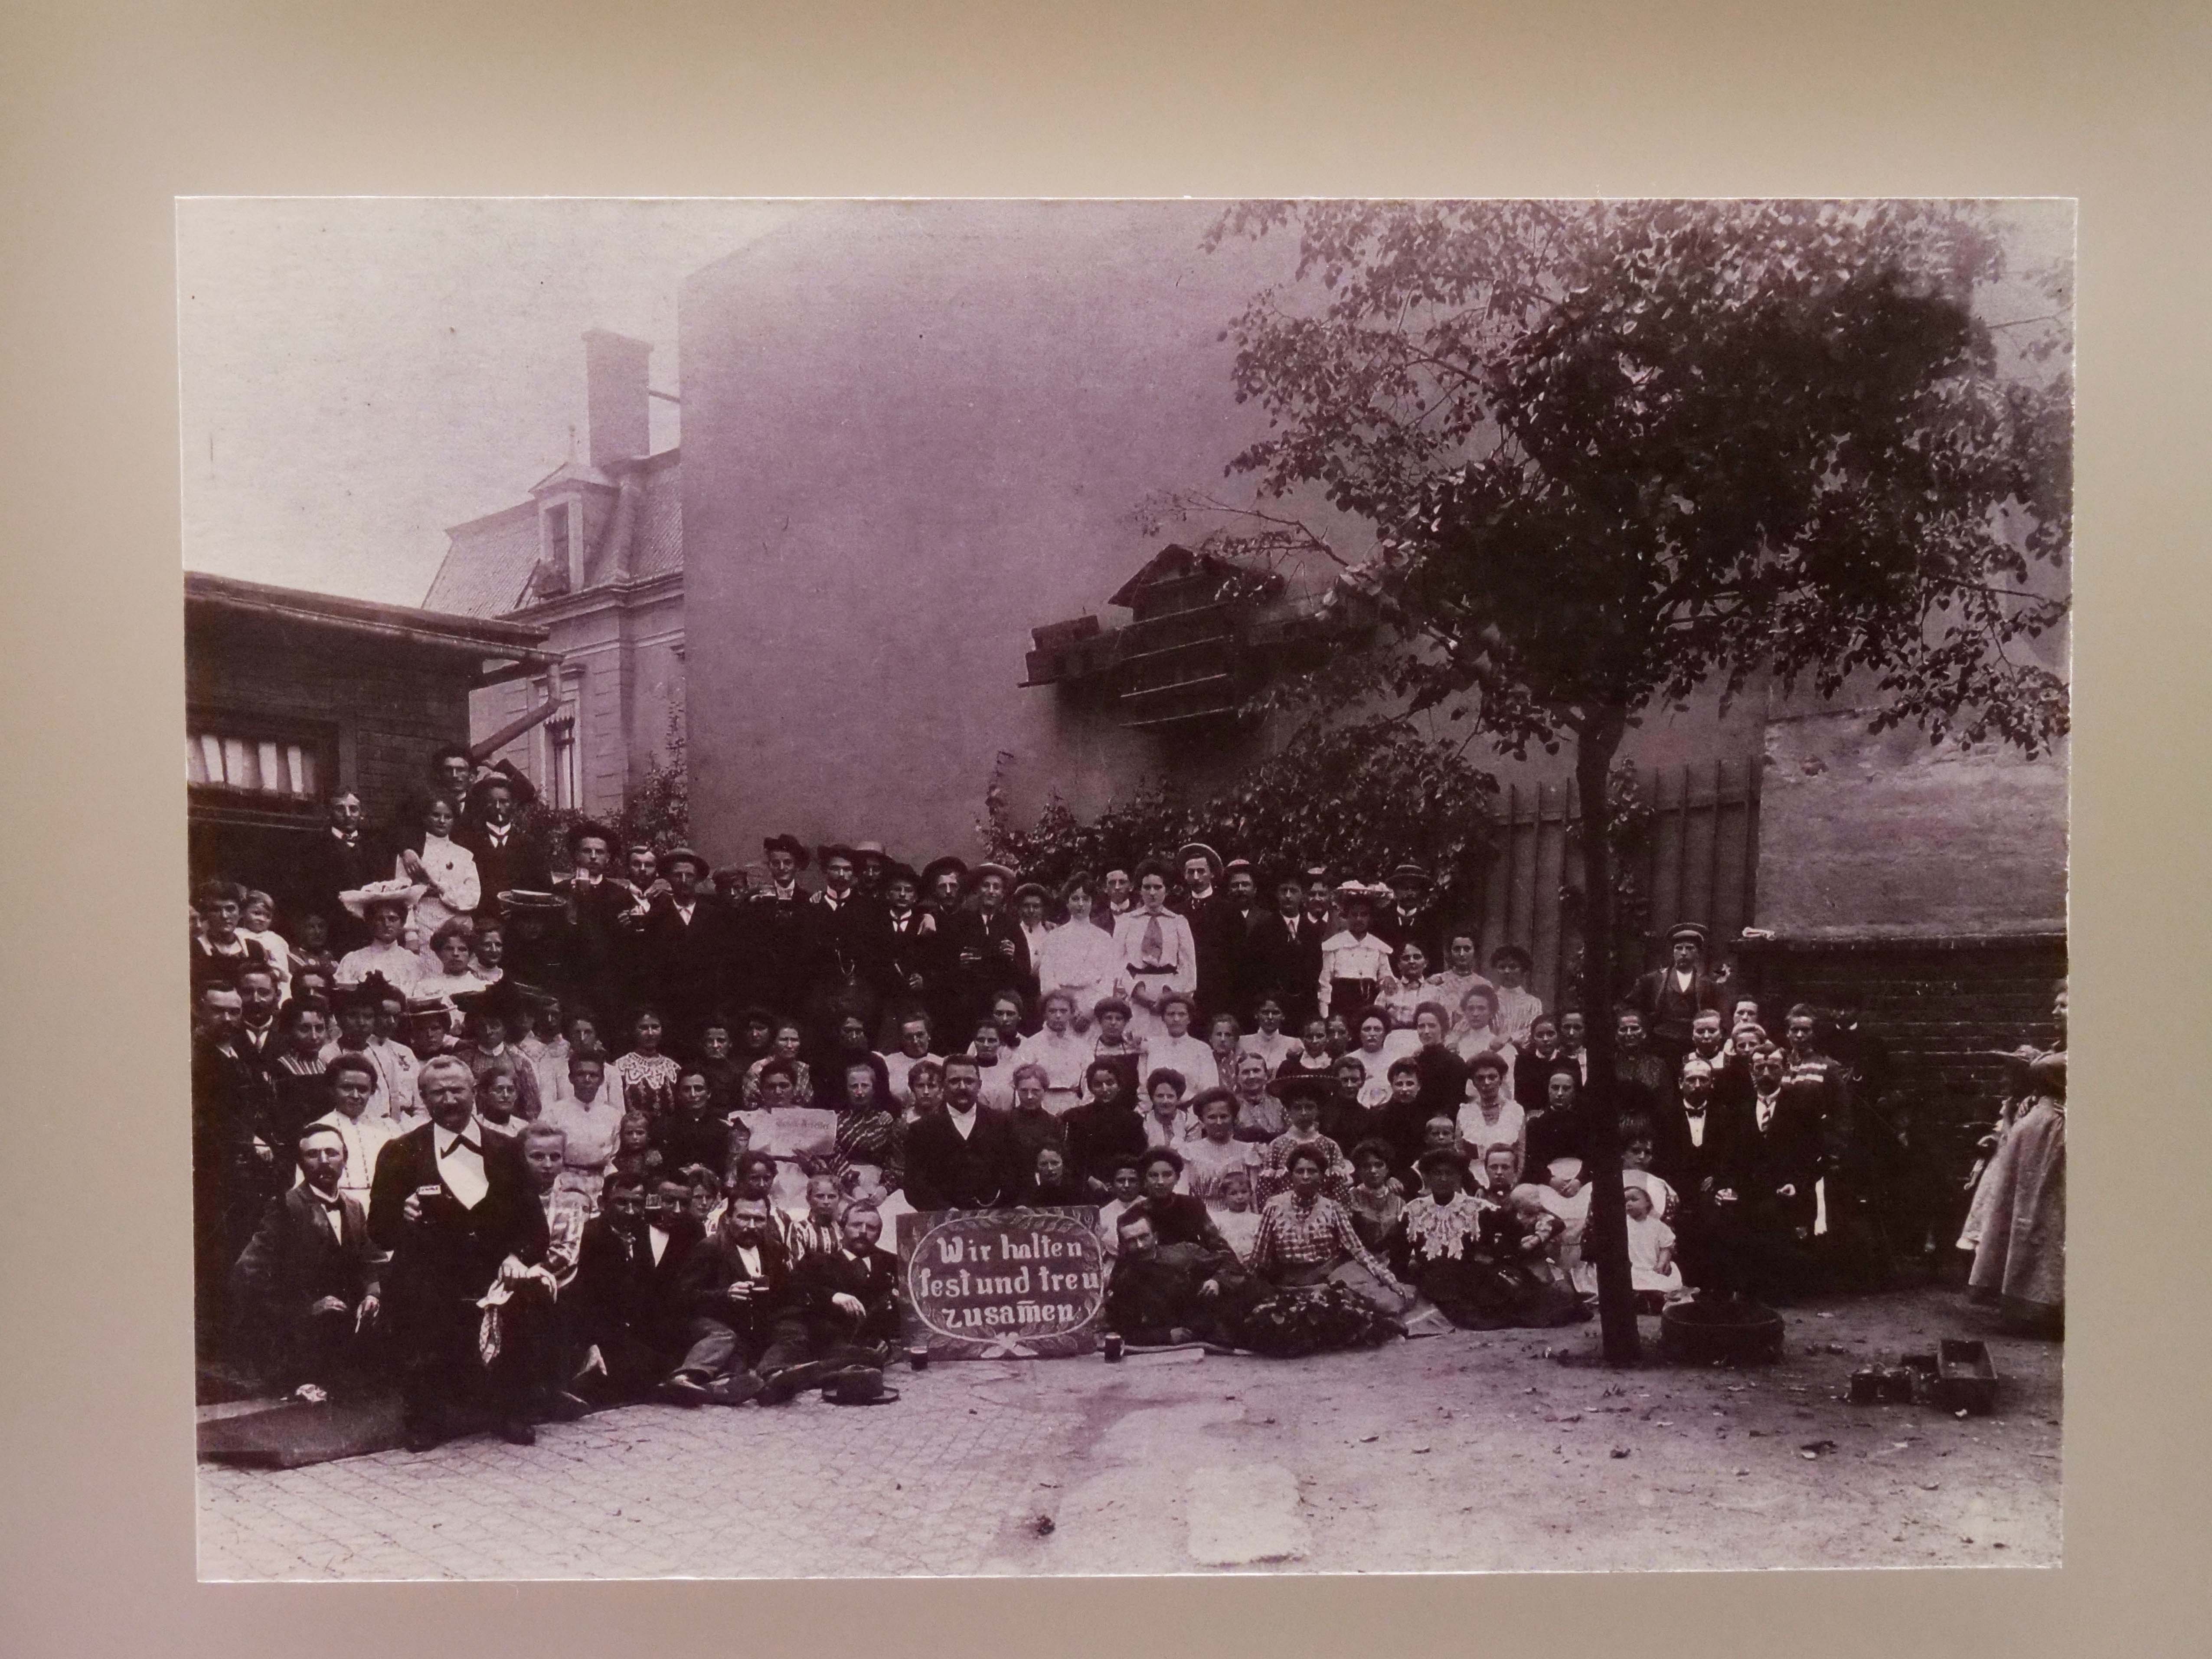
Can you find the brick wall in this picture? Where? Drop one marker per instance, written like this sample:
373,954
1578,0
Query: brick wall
1935,1003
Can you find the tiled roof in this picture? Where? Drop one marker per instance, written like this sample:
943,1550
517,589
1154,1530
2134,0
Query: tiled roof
659,546
488,563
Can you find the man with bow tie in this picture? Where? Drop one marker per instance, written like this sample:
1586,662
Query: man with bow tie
454,1205
304,1291
1699,1138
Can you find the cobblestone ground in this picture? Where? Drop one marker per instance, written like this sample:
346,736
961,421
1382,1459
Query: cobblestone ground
921,1485
1467,1452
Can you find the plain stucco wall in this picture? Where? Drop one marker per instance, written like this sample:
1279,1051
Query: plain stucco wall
911,434
1862,834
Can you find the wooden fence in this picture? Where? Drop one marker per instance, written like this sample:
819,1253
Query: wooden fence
1699,861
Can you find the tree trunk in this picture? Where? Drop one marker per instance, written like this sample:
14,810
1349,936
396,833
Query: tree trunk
1605,1239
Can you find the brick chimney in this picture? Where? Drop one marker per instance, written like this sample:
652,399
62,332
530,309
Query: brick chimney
616,413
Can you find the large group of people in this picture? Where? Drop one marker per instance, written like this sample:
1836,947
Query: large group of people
529,1144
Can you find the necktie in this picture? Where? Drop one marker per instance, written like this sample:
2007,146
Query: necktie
461,1141
1693,1111
1155,942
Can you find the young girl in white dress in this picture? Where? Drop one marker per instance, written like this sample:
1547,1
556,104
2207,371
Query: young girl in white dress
446,870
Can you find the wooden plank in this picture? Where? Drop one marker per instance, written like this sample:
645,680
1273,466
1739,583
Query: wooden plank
1512,852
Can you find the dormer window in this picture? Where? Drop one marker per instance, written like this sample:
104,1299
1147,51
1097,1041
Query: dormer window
561,542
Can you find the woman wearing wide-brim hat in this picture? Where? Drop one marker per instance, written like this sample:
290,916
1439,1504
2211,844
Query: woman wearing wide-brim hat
385,906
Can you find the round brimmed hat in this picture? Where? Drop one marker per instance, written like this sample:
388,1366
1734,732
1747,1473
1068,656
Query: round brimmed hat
895,871
1362,892
1691,931
1317,1088
513,901
362,900
1410,872
989,867
869,849
859,1385
790,844
1235,865
502,1000
838,849
1198,849
676,855
946,865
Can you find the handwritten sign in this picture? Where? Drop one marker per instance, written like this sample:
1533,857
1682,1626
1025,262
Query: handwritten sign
1002,1283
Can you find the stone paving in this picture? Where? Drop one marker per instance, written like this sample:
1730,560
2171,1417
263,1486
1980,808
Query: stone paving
1469,1451
922,1485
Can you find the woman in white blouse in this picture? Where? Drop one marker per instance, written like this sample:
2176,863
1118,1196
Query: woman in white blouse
444,867
1156,953
1078,956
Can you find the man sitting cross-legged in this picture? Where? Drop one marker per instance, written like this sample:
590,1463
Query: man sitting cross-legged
739,1286
305,1289
634,1295
842,1317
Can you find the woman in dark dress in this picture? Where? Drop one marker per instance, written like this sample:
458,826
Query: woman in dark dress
1471,1256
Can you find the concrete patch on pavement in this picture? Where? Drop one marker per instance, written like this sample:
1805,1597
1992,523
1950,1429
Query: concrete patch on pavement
1240,1517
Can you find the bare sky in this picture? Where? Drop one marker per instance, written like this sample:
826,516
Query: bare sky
358,373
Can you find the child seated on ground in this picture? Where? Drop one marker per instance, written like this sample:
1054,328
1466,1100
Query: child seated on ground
1635,1171
1651,1252
1234,1217
1271,1041
1375,1203
1543,1234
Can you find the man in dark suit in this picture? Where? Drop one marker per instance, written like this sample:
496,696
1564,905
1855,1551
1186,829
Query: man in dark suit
739,1287
1217,927
904,948
843,1316
304,1291
963,1157
496,831
594,939
680,951
1698,1139
637,1298
985,952
1410,916
842,938
1777,1164
236,1168
343,858
453,1203
1282,955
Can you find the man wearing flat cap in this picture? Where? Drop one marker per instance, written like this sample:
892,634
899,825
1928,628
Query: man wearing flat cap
1670,998
842,944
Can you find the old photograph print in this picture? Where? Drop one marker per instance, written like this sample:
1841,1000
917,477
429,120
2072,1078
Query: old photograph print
949,888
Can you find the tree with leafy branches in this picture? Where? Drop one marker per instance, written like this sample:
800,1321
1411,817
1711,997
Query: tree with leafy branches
1601,456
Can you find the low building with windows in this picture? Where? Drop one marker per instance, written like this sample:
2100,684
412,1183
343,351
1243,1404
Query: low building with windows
593,556
290,698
